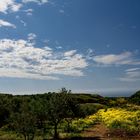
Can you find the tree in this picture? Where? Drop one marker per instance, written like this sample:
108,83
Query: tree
39,108
5,108
24,122
59,108
73,111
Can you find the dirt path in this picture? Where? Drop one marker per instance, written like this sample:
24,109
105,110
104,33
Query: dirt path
100,132
97,132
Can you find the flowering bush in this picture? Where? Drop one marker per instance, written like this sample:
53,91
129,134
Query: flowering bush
120,119
113,118
79,125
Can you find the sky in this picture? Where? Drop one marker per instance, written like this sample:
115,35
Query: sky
88,46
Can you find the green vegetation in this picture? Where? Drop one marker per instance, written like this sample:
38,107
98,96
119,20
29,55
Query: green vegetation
135,98
118,118
63,114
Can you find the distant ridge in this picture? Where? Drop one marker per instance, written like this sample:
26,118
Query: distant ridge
135,98
137,94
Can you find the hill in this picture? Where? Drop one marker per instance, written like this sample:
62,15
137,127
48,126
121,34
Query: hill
135,98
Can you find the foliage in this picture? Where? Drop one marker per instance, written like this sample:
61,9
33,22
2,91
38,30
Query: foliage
80,124
113,118
51,113
135,98
89,98
24,123
60,106
91,108
121,119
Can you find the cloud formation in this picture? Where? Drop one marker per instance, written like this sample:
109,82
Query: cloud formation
36,1
4,23
21,59
31,36
69,53
125,58
7,6
131,75
29,12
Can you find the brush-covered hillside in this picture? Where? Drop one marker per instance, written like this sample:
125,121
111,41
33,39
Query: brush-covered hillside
63,114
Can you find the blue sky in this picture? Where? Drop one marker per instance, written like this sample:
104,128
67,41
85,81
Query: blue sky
83,45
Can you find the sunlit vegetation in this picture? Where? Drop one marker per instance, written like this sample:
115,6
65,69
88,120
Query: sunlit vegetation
128,121
64,115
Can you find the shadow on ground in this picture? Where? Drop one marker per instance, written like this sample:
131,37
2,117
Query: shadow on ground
83,138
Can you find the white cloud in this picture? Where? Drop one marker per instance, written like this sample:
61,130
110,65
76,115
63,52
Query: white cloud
47,48
90,54
36,1
21,59
69,53
59,47
23,22
29,12
132,69
125,58
9,5
6,24
31,36
131,75
12,73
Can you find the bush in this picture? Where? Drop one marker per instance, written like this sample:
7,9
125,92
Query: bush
128,121
90,108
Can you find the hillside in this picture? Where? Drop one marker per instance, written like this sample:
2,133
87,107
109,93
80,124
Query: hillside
78,113
135,98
